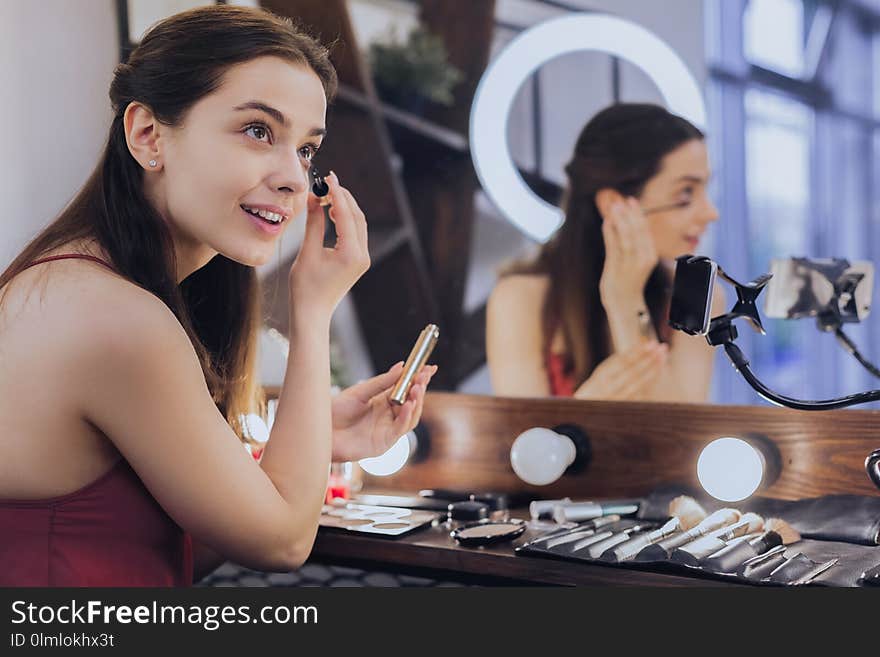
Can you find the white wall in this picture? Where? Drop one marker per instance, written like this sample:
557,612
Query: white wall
56,63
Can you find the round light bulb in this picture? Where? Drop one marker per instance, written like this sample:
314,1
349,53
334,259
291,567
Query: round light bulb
392,460
539,456
730,469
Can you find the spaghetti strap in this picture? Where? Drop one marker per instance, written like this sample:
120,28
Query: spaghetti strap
65,256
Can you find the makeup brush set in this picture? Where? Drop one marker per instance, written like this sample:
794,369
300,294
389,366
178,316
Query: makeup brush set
726,543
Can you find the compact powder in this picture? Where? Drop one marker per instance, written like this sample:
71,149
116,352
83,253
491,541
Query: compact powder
488,530
485,532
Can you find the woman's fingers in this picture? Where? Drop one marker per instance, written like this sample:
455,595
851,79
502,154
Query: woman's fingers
360,220
638,225
618,367
423,381
369,388
637,374
403,420
640,379
313,239
340,214
609,235
625,233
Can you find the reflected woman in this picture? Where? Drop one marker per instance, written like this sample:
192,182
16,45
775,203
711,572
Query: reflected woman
587,317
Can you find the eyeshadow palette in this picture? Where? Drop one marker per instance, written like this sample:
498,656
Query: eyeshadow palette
367,519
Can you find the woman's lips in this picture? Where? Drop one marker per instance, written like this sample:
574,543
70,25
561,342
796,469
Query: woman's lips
264,225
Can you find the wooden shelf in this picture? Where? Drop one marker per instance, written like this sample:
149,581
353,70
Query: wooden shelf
412,175
407,120
384,240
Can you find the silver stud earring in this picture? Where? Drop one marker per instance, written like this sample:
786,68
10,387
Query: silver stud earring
153,163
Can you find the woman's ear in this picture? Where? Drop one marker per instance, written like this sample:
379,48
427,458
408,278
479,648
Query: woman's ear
605,199
142,135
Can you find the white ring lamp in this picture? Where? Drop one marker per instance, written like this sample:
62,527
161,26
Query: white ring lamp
529,51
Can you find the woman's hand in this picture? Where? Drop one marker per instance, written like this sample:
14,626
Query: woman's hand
626,375
630,255
320,276
366,423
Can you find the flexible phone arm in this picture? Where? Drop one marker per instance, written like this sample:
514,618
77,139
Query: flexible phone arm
723,332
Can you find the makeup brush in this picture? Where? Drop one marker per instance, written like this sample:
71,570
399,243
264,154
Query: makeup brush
685,513
595,550
631,547
588,526
661,550
688,511
691,554
729,558
577,511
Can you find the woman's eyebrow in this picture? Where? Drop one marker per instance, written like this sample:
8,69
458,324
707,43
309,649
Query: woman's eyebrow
262,107
275,114
689,178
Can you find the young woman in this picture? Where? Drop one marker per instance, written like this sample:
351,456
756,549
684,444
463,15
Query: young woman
128,327
587,318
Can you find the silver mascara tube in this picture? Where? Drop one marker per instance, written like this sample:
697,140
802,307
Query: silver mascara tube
417,358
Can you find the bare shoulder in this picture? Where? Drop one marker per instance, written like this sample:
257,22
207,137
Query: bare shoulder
513,315
519,292
81,314
126,332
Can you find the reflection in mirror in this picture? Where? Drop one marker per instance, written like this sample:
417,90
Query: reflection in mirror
587,317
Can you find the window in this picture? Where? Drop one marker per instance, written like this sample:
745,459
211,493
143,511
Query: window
794,105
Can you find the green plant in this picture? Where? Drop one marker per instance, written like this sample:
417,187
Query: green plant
418,67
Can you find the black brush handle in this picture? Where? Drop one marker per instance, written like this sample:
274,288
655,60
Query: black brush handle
729,558
694,552
662,550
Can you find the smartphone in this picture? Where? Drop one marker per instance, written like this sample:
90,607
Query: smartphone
803,287
692,289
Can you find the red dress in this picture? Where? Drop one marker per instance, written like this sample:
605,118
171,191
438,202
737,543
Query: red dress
111,532
561,383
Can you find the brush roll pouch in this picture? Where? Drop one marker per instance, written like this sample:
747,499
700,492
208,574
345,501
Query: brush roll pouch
842,527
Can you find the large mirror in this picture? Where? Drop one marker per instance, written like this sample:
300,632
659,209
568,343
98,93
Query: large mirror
787,168
791,144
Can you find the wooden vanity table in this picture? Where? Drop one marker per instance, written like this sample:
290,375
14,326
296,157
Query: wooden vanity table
636,448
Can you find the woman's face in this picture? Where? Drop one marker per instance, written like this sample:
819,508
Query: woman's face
683,178
247,145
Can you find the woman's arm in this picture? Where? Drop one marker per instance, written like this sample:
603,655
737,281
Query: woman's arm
205,560
514,337
139,381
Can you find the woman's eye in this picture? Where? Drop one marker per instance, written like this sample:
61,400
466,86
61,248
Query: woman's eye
259,131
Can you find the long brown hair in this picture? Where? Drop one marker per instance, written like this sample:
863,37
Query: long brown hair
621,148
179,61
